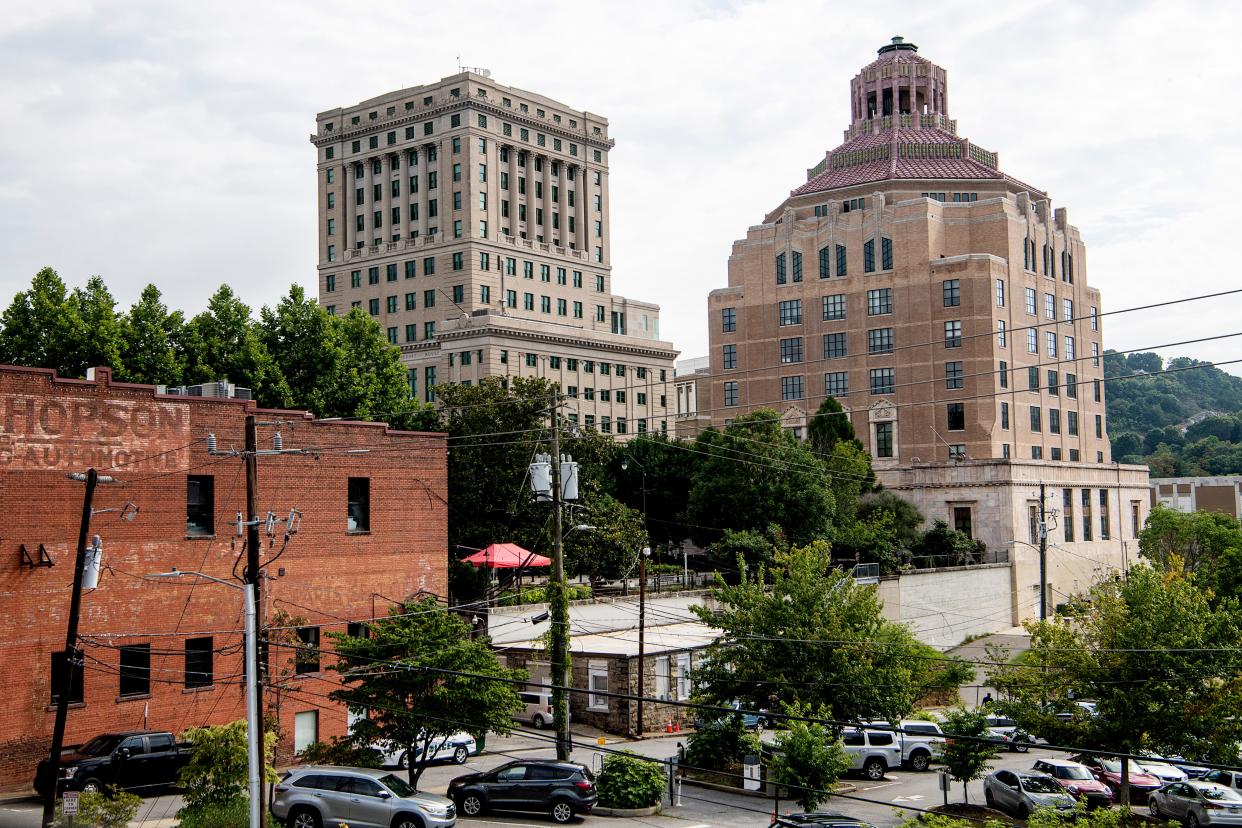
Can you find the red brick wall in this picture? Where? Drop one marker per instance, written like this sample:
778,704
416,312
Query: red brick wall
50,426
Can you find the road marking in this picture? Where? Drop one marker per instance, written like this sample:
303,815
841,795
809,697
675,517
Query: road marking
911,798
881,785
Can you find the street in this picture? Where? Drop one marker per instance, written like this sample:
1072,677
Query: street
876,802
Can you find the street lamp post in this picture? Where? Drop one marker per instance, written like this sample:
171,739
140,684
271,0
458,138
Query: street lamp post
254,739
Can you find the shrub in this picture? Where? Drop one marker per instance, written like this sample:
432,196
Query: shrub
103,811
340,752
226,813
627,781
718,743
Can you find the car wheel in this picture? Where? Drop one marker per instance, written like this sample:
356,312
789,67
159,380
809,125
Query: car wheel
989,798
460,755
920,761
1153,806
874,769
537,722
1192,821
92,786
405,821
1021,746
472,804
561,812
304,818
403,760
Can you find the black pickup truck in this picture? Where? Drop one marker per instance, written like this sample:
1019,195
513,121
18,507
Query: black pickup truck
136,760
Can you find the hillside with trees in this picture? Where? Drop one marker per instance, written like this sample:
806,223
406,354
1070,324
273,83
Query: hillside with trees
1178,418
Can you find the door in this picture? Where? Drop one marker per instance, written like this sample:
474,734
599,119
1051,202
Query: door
505,790
161,759
541,781
1005,794
1180,800
132,770
326,794
368,807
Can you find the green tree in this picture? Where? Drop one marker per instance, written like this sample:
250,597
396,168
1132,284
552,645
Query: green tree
223,343
808,758
753,549
670,465
1160,660
1196,541
830,425
942,546
796,635
611,549
149,333
404,676
216,776
371,380
114,809
964,758
755,470
306,348
40,326
97,340
716,744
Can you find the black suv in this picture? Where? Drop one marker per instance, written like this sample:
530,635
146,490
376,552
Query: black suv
560,789
820,820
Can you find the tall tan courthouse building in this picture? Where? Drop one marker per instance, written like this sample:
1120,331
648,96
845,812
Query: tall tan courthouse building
947,306
472,221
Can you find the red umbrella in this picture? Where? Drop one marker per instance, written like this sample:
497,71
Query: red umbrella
506,556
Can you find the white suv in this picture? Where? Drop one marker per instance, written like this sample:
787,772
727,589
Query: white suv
872,751
921,743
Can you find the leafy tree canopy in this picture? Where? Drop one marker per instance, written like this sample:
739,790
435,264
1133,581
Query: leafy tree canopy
967,759
808,758
1209,544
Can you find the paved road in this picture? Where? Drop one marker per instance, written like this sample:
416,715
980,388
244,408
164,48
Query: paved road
701,808
977,650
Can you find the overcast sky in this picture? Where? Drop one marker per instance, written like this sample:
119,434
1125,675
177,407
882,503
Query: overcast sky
167,142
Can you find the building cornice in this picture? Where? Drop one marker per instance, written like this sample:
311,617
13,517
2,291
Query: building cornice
660,351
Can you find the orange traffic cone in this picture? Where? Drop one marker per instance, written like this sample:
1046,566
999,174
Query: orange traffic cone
676,726
668,728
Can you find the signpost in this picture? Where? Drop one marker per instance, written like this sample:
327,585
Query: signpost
69,805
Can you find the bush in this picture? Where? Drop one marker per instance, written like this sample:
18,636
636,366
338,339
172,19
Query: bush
228,813
103,811
340,752
539,595
627,781
719,743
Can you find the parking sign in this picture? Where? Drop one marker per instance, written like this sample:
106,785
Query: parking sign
69,804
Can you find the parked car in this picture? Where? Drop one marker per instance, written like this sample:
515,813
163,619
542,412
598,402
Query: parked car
922,742
318,796
1230,779
1021,792
820,819
1077,780
456,748
1007,732
1163,771
1183,764
560,789
1197,803
1108,771
756,721
872,751
124,760
537,708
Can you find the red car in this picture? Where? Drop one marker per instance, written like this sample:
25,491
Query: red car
1077,780
1108,771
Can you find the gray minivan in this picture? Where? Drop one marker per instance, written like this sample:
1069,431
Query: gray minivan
316,796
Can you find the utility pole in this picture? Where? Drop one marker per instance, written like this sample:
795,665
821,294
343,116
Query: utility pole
1043,552
558,603
254,691
642,627
73,660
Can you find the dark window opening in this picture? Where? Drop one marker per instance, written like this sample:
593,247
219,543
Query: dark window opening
200,505
308,651
135,670
198,662
359,504
58,678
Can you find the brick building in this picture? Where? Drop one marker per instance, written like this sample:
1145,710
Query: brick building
946,305
168,654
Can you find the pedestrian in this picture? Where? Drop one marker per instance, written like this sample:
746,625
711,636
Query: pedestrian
987,699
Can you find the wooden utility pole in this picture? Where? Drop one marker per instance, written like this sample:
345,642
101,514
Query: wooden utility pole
558,604
252,577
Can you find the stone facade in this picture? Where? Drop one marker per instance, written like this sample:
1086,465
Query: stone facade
471,220
137,634
944,303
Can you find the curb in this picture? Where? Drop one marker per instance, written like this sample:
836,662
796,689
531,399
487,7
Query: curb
763,793
625,812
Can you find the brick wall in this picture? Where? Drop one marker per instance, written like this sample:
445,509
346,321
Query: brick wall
149,443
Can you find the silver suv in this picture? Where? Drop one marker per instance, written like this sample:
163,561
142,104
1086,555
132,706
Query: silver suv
872,751
319,796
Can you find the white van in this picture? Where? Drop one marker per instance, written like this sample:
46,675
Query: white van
537,708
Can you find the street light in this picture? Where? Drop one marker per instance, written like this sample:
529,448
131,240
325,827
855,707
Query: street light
253,737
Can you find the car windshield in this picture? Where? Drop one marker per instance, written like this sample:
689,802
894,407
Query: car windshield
1072,772
1040,784
100,746
397,785
1110,765
1220,794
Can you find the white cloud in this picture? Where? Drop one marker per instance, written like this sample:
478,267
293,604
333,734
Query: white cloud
167,143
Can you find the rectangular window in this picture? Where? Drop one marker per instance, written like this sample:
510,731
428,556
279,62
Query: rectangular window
792,388
306,725
837,384
953,375
1053,383
1037,452
1071,386
429,332
1050,306
834,307
359,512
1004,410
881,380
730,357
1030,300
825,262
730,393
952,290
879,301
390,304
135,673
1000,293
198,662
1095,319
528,301
791,350
1099,426
306,656
1095,385
883,439
1050,340
791,312
1003,373
373,306
841,269
200,512
1067,310
1001,340
411,335
1086,515
1054,421
1036,418
953,334
372,275
429,266
886,254
956,420
1071,423
780,269
577,310
869,256
880,341
1067,513
1032,341
429,373
834,346
796,261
